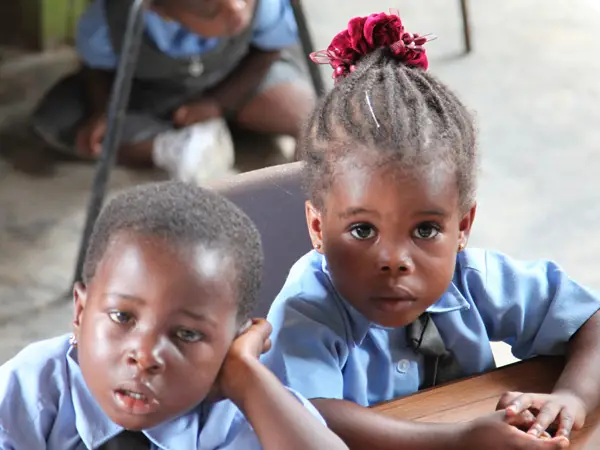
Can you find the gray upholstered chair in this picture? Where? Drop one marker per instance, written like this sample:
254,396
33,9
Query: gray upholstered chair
274,200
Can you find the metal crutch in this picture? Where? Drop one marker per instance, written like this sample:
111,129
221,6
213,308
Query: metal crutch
117,109
307,46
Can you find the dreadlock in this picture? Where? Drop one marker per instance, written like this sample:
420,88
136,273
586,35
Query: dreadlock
403,113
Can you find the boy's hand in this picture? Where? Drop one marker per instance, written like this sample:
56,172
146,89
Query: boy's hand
197,112
90,136
252,341
567,410
501,432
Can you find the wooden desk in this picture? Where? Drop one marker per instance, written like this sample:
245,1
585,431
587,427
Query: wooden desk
473,397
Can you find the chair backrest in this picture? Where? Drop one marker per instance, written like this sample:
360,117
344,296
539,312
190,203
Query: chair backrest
274,200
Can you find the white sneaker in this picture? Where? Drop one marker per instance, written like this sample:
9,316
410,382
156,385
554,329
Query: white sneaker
197,153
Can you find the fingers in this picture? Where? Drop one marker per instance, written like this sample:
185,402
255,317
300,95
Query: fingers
506,399
547,415
267,346
96,138
262,327
180,116
522,403
565,424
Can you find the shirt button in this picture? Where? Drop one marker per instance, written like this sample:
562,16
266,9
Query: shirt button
403,366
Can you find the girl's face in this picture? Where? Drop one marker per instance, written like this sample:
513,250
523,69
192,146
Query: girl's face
211,18
390,239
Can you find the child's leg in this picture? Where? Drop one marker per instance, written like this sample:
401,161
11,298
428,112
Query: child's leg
62,112
282,102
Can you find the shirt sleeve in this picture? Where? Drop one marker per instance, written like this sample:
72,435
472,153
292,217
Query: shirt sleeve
274,25
93,39
25,419
307,352
532,306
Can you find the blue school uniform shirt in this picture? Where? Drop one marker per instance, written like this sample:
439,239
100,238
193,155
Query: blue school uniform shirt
274,29
325,348
45,404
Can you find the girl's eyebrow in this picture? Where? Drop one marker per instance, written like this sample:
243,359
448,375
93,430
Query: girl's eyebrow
431,212
354,211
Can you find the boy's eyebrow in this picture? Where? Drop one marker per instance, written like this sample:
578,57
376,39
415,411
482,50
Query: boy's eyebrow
354,211
125,296
199,317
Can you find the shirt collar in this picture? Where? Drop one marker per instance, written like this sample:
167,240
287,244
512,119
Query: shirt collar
95,428
451,300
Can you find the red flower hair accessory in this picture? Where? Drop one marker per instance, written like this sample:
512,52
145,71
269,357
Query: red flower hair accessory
366,34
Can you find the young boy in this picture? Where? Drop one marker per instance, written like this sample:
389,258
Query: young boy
160,332
200,61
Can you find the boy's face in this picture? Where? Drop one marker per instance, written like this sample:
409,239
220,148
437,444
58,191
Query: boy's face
390,240
153,327
210,18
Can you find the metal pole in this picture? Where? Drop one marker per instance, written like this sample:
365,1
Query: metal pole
464,8
117,109
308,46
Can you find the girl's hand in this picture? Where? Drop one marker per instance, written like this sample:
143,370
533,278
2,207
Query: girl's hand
252,341
196,112
501,432
563,408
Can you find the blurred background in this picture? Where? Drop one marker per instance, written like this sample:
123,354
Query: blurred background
532,79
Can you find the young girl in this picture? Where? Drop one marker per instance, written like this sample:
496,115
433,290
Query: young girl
200,61
161,332
390,301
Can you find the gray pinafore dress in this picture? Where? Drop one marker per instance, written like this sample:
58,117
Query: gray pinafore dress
161,84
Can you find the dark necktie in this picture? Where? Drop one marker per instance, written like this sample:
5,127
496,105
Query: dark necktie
440,364
127,440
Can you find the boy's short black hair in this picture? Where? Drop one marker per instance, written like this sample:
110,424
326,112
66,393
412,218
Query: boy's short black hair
184,214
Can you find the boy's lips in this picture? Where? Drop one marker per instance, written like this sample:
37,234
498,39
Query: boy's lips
136,398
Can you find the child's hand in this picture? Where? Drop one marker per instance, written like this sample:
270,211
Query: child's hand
197,112
501,432
567,410
243,355
90,136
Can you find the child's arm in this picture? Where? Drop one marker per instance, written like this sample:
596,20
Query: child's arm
278,418
538,310
363,428
577,392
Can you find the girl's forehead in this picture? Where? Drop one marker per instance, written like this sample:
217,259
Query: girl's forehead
388,185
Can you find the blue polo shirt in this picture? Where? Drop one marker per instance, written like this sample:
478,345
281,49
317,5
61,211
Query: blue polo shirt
325,348
47,405
274,28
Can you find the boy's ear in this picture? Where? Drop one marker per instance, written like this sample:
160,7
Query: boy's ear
464,228
79,301
314,222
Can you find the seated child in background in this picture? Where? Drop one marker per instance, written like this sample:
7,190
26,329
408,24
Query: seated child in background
391,301
200,60
160,327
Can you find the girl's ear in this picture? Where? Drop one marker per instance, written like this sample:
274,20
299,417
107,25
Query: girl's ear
314,221
464,228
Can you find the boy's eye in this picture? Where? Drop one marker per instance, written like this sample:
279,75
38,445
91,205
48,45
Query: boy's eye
362,231
426,231
188,336
120,317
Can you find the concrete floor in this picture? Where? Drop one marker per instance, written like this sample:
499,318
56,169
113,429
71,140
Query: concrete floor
532,80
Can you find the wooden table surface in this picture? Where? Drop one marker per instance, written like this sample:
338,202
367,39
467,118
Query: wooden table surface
473,397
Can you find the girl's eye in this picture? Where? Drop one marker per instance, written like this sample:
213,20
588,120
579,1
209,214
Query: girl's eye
188,336
120,317
362,231
426,231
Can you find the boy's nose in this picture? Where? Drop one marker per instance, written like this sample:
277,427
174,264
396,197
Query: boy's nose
147,354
